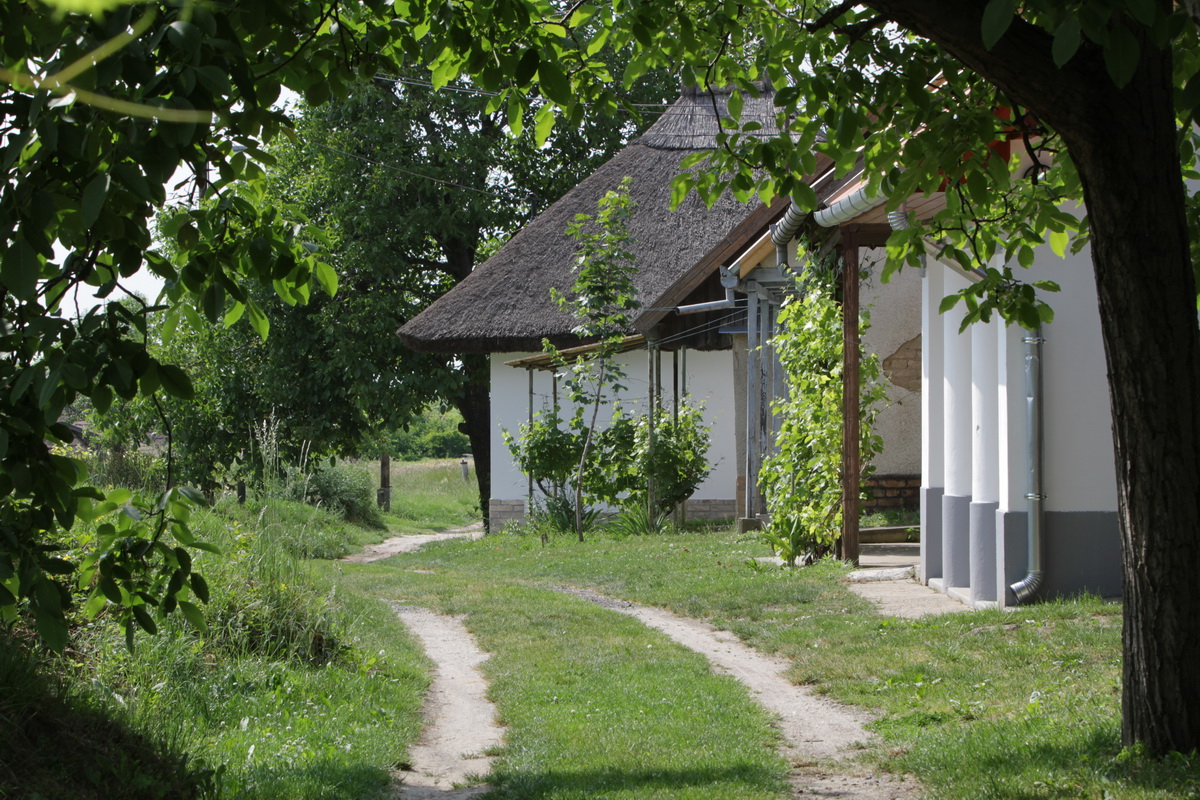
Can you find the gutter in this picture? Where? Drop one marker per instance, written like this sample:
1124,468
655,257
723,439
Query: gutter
729,280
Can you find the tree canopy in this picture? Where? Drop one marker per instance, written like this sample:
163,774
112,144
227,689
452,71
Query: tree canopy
96,115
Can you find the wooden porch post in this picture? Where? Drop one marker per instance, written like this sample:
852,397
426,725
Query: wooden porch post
851,452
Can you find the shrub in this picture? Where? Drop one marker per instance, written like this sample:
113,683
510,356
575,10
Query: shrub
344,489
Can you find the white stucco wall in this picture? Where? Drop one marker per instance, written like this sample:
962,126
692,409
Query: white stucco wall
706,376
895,312
1080,472
1078,466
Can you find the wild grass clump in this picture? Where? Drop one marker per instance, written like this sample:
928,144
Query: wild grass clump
636,519
292,690
56,741
345,489
271,604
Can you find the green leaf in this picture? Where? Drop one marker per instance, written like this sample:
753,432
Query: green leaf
1066,41
327,278
997,17
735,104
48,615
1121,55
176,382
185,36
144,619
1058,243
193,494
804,196
213,302
1144,11
258,320
194,615
94,195
527,67
20,269
948,302
554,83
543,124
199,586
234,313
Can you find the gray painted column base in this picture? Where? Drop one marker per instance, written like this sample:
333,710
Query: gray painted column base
956,541
1083,553
1012,531
931,533
983,552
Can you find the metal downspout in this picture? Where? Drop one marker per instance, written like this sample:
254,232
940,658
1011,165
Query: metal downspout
1027,587
751,467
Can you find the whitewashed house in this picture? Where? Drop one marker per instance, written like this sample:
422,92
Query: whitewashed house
1018,489
504,307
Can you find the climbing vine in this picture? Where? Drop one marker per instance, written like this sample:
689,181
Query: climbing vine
802,478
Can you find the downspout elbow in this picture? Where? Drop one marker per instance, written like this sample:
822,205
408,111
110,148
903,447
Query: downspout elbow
1026,588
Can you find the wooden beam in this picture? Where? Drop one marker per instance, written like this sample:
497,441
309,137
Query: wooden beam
851,466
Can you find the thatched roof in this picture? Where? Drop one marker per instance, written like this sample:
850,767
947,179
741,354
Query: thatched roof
505,304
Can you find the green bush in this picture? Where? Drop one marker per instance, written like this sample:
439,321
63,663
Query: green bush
432,435
345,489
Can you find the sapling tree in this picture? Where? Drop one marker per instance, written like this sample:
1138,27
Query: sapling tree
603,299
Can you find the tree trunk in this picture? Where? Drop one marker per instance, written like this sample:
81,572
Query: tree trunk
474,403
1123,143
1134,193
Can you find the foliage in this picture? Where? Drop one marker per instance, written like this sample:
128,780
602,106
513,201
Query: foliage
602,299
295,689
96,115
802,479
345,489
434,434
636,519
414,188
548,449
1099,100
57,743
628,464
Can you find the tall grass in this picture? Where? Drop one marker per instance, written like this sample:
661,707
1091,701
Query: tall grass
294,690
431,495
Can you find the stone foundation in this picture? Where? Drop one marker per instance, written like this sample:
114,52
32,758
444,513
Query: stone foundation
502,512
711,509
892,492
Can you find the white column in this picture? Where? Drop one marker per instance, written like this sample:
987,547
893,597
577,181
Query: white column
956,401
932,473
985,465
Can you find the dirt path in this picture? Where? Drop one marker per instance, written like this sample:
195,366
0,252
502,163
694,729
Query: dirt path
814,728
410,543
461,724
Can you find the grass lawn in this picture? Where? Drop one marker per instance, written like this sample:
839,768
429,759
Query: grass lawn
307,687
1018,705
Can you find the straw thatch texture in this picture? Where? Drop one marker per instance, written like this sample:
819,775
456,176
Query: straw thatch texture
505,304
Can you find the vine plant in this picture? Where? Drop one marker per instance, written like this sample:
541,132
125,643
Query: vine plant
802,479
